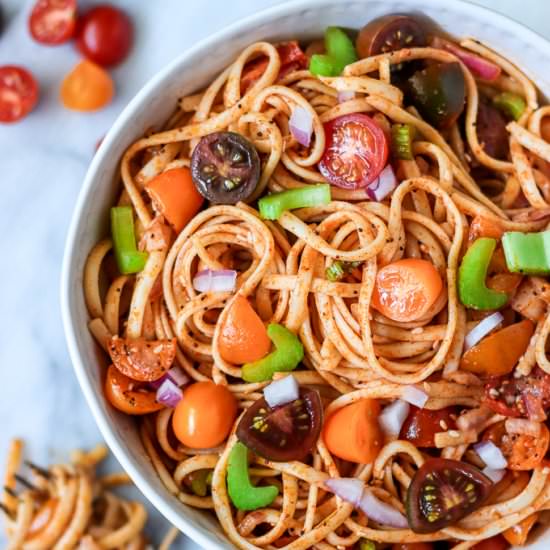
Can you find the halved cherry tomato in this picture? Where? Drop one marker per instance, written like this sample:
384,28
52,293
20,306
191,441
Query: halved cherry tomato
125,395
522,451
405,290
175,196
87,87
353,433
140,359
292,59
18,93
498,353
243,336
498,542
105,35
42,517
356,151
205,415
413,546
53,21
422,424
284,433
484,227
517,535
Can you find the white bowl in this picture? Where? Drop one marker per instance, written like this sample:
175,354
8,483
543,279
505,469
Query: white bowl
152,105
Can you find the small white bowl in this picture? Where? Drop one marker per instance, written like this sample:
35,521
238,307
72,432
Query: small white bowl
190,72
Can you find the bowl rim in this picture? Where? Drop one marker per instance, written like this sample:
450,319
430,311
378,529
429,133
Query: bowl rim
71,327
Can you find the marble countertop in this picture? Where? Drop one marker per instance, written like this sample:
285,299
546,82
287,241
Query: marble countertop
43,162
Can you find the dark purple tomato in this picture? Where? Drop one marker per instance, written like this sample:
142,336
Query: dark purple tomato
491,130
421,425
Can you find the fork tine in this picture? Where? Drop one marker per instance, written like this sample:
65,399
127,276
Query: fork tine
37,469
24,482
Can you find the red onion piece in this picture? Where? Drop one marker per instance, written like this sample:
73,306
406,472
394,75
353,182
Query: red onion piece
169,394
415,396
483,328
175,374
392,417
347,488
382,186
494,475
479,66
523,426
282,391
381,512
301,125
219,280
491,455
533,406
344,96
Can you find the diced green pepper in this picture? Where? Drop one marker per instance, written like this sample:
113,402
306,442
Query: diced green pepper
366,544
286,357
472,273
338,269
242,493
527,253
272,206
200,482
512,105
128,257
401,137
340,52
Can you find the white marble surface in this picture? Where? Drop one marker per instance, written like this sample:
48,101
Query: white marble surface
43,160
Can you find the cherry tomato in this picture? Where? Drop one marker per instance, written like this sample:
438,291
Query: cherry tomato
356,151
522,451
517,535
442,492
87,87
405,290
422,424
125,395
284,433
390,33
205,415
18,93
491,130
498,542
527,396
105,35
53,21
413,546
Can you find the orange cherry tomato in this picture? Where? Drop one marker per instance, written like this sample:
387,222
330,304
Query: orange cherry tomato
123,394
498,542
175,196
405,290
353,433
517,535
498,353
205,416
545,129
18,93
243,336
484,227
413,546
87,87
42,517
522,451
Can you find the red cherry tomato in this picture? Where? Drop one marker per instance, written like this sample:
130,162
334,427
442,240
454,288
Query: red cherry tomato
18,93
105,35
53,21
421,425
356,151
497,542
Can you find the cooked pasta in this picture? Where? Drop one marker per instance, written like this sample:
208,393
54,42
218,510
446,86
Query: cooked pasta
407,297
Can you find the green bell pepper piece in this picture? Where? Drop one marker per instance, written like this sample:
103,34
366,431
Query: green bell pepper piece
401,138
272,206
340,52
472,273
128,257
365,544
527,253
200,481
512,105
242,493
286,357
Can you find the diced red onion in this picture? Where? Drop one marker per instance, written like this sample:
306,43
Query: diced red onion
382,186
347,488
175,374
381,512
479,66
491,455
392,417
533,406
219,280
523,426
415,396
344,96
494,475
282,391
483,328
301,125
169,394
